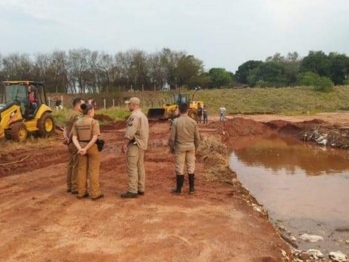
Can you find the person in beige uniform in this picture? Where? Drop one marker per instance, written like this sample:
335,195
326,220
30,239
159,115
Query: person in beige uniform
72,185
136,142
184,141
85,133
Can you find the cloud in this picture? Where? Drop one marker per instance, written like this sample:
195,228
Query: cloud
222,33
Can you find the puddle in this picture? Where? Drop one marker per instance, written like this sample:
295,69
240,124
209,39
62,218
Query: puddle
304,187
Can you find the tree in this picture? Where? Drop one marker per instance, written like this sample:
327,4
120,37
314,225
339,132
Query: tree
17,66
203,80
220,77
157,72
316,62
267,74
307,79
244,70
339,68
187,67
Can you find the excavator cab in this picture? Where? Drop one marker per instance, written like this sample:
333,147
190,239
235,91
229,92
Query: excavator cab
23,109
168,110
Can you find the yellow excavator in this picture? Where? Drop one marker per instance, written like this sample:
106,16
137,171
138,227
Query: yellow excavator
169,110
23,110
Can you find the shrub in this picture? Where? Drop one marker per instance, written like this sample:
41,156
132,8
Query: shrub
323,84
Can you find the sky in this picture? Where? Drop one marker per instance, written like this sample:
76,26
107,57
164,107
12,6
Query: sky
222,33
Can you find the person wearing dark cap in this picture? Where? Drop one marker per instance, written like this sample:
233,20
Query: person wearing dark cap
85,133
136,142
184,141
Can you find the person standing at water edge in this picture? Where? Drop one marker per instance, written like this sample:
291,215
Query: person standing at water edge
85,133
136,142
222,112
72,185
205,115
184,141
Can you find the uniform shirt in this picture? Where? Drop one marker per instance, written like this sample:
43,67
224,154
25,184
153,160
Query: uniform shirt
70,121
184,134
137,129
85,128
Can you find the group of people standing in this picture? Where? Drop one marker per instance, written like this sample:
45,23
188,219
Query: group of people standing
202,114
81,133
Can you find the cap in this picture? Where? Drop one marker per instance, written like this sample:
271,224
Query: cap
133,100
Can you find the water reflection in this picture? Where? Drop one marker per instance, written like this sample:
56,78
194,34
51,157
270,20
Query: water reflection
296,182
288,154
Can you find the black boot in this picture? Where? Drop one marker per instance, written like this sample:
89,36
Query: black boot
191,183
180,181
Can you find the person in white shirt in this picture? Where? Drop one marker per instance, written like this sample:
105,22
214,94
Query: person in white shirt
222,112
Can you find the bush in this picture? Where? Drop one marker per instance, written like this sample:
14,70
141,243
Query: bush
307,79
323,84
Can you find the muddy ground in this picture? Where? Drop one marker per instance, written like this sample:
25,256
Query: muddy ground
39,221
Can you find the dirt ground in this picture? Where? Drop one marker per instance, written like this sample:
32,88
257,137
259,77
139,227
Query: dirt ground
39,221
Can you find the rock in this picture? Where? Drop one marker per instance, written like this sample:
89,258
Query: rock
293,238
283,252
347,241
304,256
282,228
338,256
311,238
314,253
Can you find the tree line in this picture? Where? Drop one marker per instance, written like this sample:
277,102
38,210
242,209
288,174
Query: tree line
84,71
316,69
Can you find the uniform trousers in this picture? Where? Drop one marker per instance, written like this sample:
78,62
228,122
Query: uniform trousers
88,166
72,171
184,158
135,168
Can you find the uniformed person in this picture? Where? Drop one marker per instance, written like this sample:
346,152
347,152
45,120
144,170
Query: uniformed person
85,133
184,141
72,185
136,142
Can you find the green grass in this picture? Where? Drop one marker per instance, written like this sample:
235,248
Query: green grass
287,100
115,113
60,116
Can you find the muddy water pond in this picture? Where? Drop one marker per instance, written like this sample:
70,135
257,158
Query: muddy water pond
304,187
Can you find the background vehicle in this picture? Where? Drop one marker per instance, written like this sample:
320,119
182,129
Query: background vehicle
168,110
23,109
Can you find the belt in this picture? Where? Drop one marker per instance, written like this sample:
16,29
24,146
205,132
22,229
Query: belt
133,141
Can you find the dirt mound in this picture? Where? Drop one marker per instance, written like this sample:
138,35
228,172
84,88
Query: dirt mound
241,127
120,124
103,118
277,124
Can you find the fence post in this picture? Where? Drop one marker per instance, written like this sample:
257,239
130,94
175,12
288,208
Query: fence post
49,101
105,103
62,101
113,102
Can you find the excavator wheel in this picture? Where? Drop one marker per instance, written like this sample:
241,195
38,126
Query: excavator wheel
46,125
18,132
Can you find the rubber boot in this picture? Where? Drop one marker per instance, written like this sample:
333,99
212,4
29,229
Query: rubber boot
191,183
180,181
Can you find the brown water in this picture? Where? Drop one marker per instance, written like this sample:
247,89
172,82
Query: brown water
304,187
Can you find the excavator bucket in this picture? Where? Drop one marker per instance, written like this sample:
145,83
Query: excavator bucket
157,114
